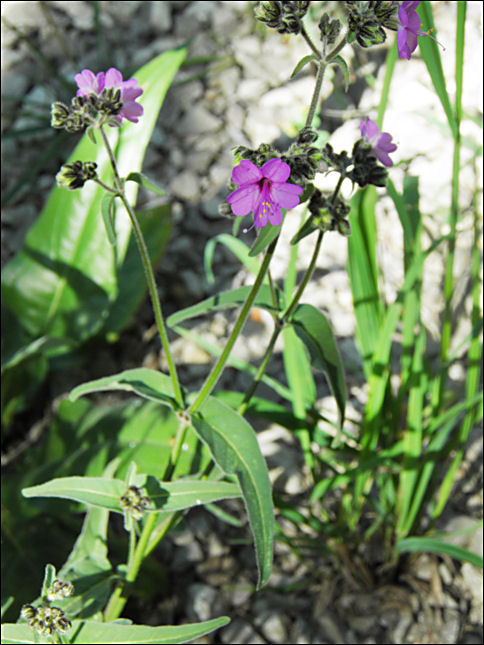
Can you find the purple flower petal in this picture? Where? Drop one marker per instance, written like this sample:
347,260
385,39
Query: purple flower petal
285,195
246,173
245,199
132,111
275,215
114,78
276,170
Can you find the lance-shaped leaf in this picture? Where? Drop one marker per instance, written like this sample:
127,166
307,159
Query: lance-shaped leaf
163,496
92,631
314,330
233,298
234,447
265,237
147,383
143,180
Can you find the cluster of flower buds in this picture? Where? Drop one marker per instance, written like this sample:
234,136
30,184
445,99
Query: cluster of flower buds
303,158
74,175
60,590
134,502
46,621
86,110
366,169
284,16
329,28
329,214
367,21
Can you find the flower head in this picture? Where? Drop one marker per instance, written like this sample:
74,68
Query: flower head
409,29
89,83
264,191
381,142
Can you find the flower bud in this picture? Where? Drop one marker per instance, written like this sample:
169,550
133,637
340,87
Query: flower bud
329,28
59,115
74,175
134,503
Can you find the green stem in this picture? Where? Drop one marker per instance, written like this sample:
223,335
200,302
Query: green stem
120,595
316,93
219,365
280,325
306,37
262,368
150,278
307,276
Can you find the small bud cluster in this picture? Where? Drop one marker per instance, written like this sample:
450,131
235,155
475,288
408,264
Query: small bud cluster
329,214
86,110
284,16
60,590
367,20
134,502
74,175
45,620
329,28
365,169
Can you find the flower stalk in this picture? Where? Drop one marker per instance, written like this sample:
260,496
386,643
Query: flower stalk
150,278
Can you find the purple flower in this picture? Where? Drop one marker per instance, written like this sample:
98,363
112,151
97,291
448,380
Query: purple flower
409,29
263,190
381,142
89,83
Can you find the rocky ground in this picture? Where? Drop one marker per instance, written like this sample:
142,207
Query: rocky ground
240,94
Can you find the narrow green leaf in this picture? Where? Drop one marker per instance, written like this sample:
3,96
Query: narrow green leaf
363,273
234,447
107,211
233,298
431,55
238,248
147,383
143,180
164,496
303,389
343,65
435,545
306,229
265,237
314,330
49,576
302,63
91,631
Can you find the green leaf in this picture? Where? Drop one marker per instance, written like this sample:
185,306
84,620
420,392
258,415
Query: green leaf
107,211
143,180
306,229
164,496
234,447
65,278
144,382
302,63
314,330
343,65
238,248
91,631
265,237
434,545
233,298
156,226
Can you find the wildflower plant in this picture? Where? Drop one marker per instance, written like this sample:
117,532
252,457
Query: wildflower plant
152,487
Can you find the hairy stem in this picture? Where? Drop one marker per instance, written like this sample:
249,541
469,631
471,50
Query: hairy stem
150,278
